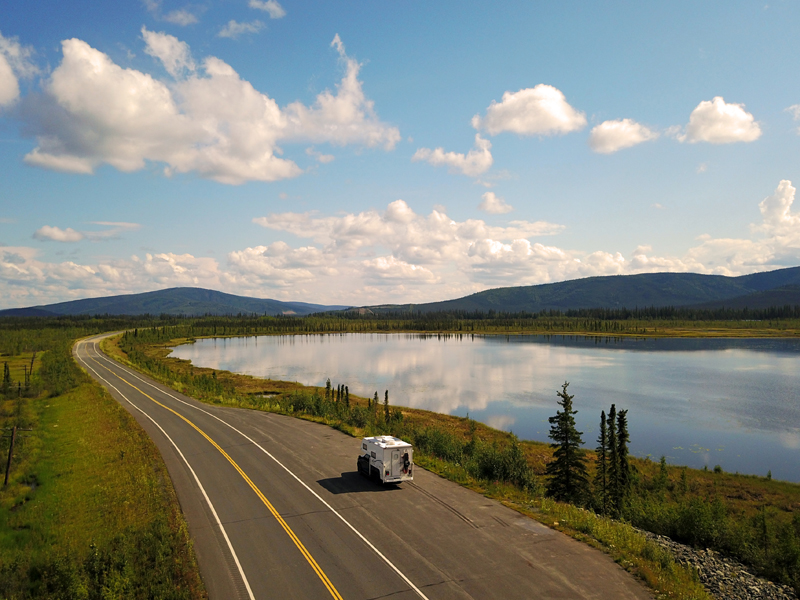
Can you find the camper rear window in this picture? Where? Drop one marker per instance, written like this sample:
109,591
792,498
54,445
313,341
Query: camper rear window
373,454
363,446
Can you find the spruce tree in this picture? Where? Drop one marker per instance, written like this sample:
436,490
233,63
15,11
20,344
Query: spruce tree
624,473
568,479
386,406
601,473
347,396
375,401
613,458
6,379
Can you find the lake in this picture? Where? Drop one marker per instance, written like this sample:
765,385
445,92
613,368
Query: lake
728,402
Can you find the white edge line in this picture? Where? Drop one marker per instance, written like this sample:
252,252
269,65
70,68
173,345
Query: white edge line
197,480
257,445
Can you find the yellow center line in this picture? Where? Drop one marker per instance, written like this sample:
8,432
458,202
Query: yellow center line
317,569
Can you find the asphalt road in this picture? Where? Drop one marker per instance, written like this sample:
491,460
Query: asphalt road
277,510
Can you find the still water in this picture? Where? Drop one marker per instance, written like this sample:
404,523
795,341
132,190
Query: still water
733,403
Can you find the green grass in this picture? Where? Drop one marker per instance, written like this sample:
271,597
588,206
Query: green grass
89,511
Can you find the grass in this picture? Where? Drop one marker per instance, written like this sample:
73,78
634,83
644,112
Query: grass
89,511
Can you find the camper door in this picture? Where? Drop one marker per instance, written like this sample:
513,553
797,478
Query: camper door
401,461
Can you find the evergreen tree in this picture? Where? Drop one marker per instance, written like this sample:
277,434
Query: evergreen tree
613,458
347,396
328,389
624,472
386,406
601,474
375,401
568,479
6,379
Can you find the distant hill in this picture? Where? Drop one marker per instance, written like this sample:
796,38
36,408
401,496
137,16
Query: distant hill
773,288
173,301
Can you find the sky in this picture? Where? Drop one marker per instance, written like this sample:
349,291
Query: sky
390,152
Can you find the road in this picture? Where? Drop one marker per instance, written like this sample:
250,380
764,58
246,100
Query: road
276,510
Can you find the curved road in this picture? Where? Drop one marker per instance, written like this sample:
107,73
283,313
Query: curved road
276,510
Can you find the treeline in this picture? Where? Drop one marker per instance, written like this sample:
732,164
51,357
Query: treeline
606,314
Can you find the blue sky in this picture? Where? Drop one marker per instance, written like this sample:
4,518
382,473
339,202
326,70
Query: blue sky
364,152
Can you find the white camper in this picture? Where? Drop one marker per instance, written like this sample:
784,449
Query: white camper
387,459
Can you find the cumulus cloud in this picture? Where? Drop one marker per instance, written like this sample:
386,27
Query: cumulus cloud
173,53
413,238
611,136
271,7
494,205
234,29
394,255
209,121
388,268
9,86
477,161
541,110
15,62
346,117
776,210
717,122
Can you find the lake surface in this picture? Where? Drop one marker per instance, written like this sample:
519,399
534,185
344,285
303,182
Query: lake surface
728,402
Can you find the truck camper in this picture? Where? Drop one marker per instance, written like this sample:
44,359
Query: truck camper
386,459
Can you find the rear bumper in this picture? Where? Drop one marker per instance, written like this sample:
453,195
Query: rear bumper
399,479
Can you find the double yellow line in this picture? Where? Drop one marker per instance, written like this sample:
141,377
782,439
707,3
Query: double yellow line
317,569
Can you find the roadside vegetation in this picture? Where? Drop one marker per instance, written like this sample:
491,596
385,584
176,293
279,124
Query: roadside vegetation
752,519
89,510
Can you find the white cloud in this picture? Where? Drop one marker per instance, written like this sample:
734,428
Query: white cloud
15,62
794,109
716,122
541,110
9,86
234,29
477,161
391,269
611,136
494,205
776,210
173,53
211,121
55,234
395,255
346,117
182,16
271,7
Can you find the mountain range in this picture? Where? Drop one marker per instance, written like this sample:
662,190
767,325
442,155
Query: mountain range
759,290
172,301
756,291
